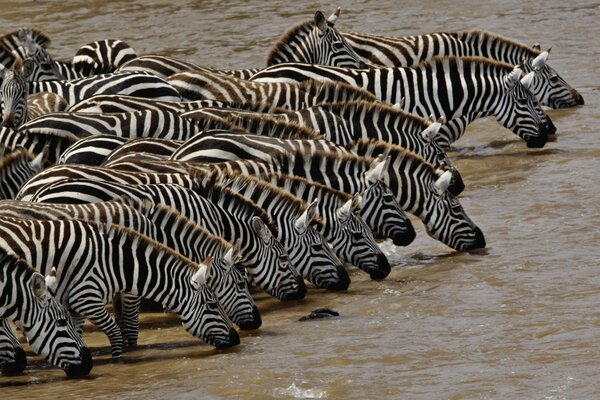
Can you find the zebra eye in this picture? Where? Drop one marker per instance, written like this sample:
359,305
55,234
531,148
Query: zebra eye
212,305
337,45
61,322
241,285
553,78
522,101
356,235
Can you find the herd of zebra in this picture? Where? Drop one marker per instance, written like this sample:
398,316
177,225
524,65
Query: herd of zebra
126,177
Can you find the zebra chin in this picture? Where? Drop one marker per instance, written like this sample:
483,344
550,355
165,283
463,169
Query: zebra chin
17,365
83,368
251,323
478,242
382,270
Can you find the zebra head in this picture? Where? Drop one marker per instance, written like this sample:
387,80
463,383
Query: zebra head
43,67
361,249
311,254
203,316
380,209
548,87
270,265
445,219
14,90
228,281
330,46
520,112
45,323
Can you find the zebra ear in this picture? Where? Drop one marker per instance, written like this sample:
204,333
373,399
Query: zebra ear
261,229
514,76
38,162
400,104
429,133
344,211
320,21
442,183
38,286
540,60
536,46
313,211
375,173
527,80
201,276
233,256
307,216
357,200
52,281
332,19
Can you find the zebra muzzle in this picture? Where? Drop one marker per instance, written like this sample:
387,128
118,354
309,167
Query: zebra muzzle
83,368
16,366
254,323
383,269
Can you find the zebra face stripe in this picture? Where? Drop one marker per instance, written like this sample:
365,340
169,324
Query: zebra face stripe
14,98
332,49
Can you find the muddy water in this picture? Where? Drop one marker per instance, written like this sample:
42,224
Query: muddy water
518,320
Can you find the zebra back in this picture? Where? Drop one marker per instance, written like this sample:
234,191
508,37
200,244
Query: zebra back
102,56
91,150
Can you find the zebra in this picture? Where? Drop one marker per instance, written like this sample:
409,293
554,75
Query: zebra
162,148
43,103
348,234
86,277
12,356
194,85
464,86
548,86
91,150
16,168
170,228
114,103
413,181
26,300
265,258
309,252
55,144
145,123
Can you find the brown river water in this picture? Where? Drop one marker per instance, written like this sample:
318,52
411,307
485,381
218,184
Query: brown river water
519,320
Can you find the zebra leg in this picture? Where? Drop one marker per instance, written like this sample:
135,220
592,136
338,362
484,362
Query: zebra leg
96,312
130,318
12,356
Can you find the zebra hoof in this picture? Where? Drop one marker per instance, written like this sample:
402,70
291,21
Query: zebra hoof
17,366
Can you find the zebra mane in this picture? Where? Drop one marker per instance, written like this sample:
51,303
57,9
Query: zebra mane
302,182
492,37
373,147
314,88
254,185
321,161
269,126
302,29
375,108
210,183
456,61
147,207
35,35
16,155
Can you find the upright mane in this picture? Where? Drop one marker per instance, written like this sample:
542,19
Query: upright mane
490,37
302,29
268,126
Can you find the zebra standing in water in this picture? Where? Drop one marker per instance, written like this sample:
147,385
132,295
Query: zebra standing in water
547,86
264,257
464,86
25,300
148,269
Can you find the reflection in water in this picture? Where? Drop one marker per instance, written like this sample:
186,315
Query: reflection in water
517,320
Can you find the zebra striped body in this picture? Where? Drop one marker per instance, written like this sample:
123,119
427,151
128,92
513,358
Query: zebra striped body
448,87
168,227
145,123
159,147
162,66
114,103
348,234
43,103
264,257
210,86
148,269
412,180
54,145
102,56
548,87
66,171
126,83
91,150
25,300
308,251
15,169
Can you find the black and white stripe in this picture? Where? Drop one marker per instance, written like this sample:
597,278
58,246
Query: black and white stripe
15,169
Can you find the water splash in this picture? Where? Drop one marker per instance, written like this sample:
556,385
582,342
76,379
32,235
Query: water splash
296,392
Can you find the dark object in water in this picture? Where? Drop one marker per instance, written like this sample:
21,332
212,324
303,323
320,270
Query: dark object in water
320,313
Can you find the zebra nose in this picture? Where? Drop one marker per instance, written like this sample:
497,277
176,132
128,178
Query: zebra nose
7,122
550,127
478,242
16,366
406,237
538,140
300,292
578,97
233,340
84,368
254,323
343,281
383,269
